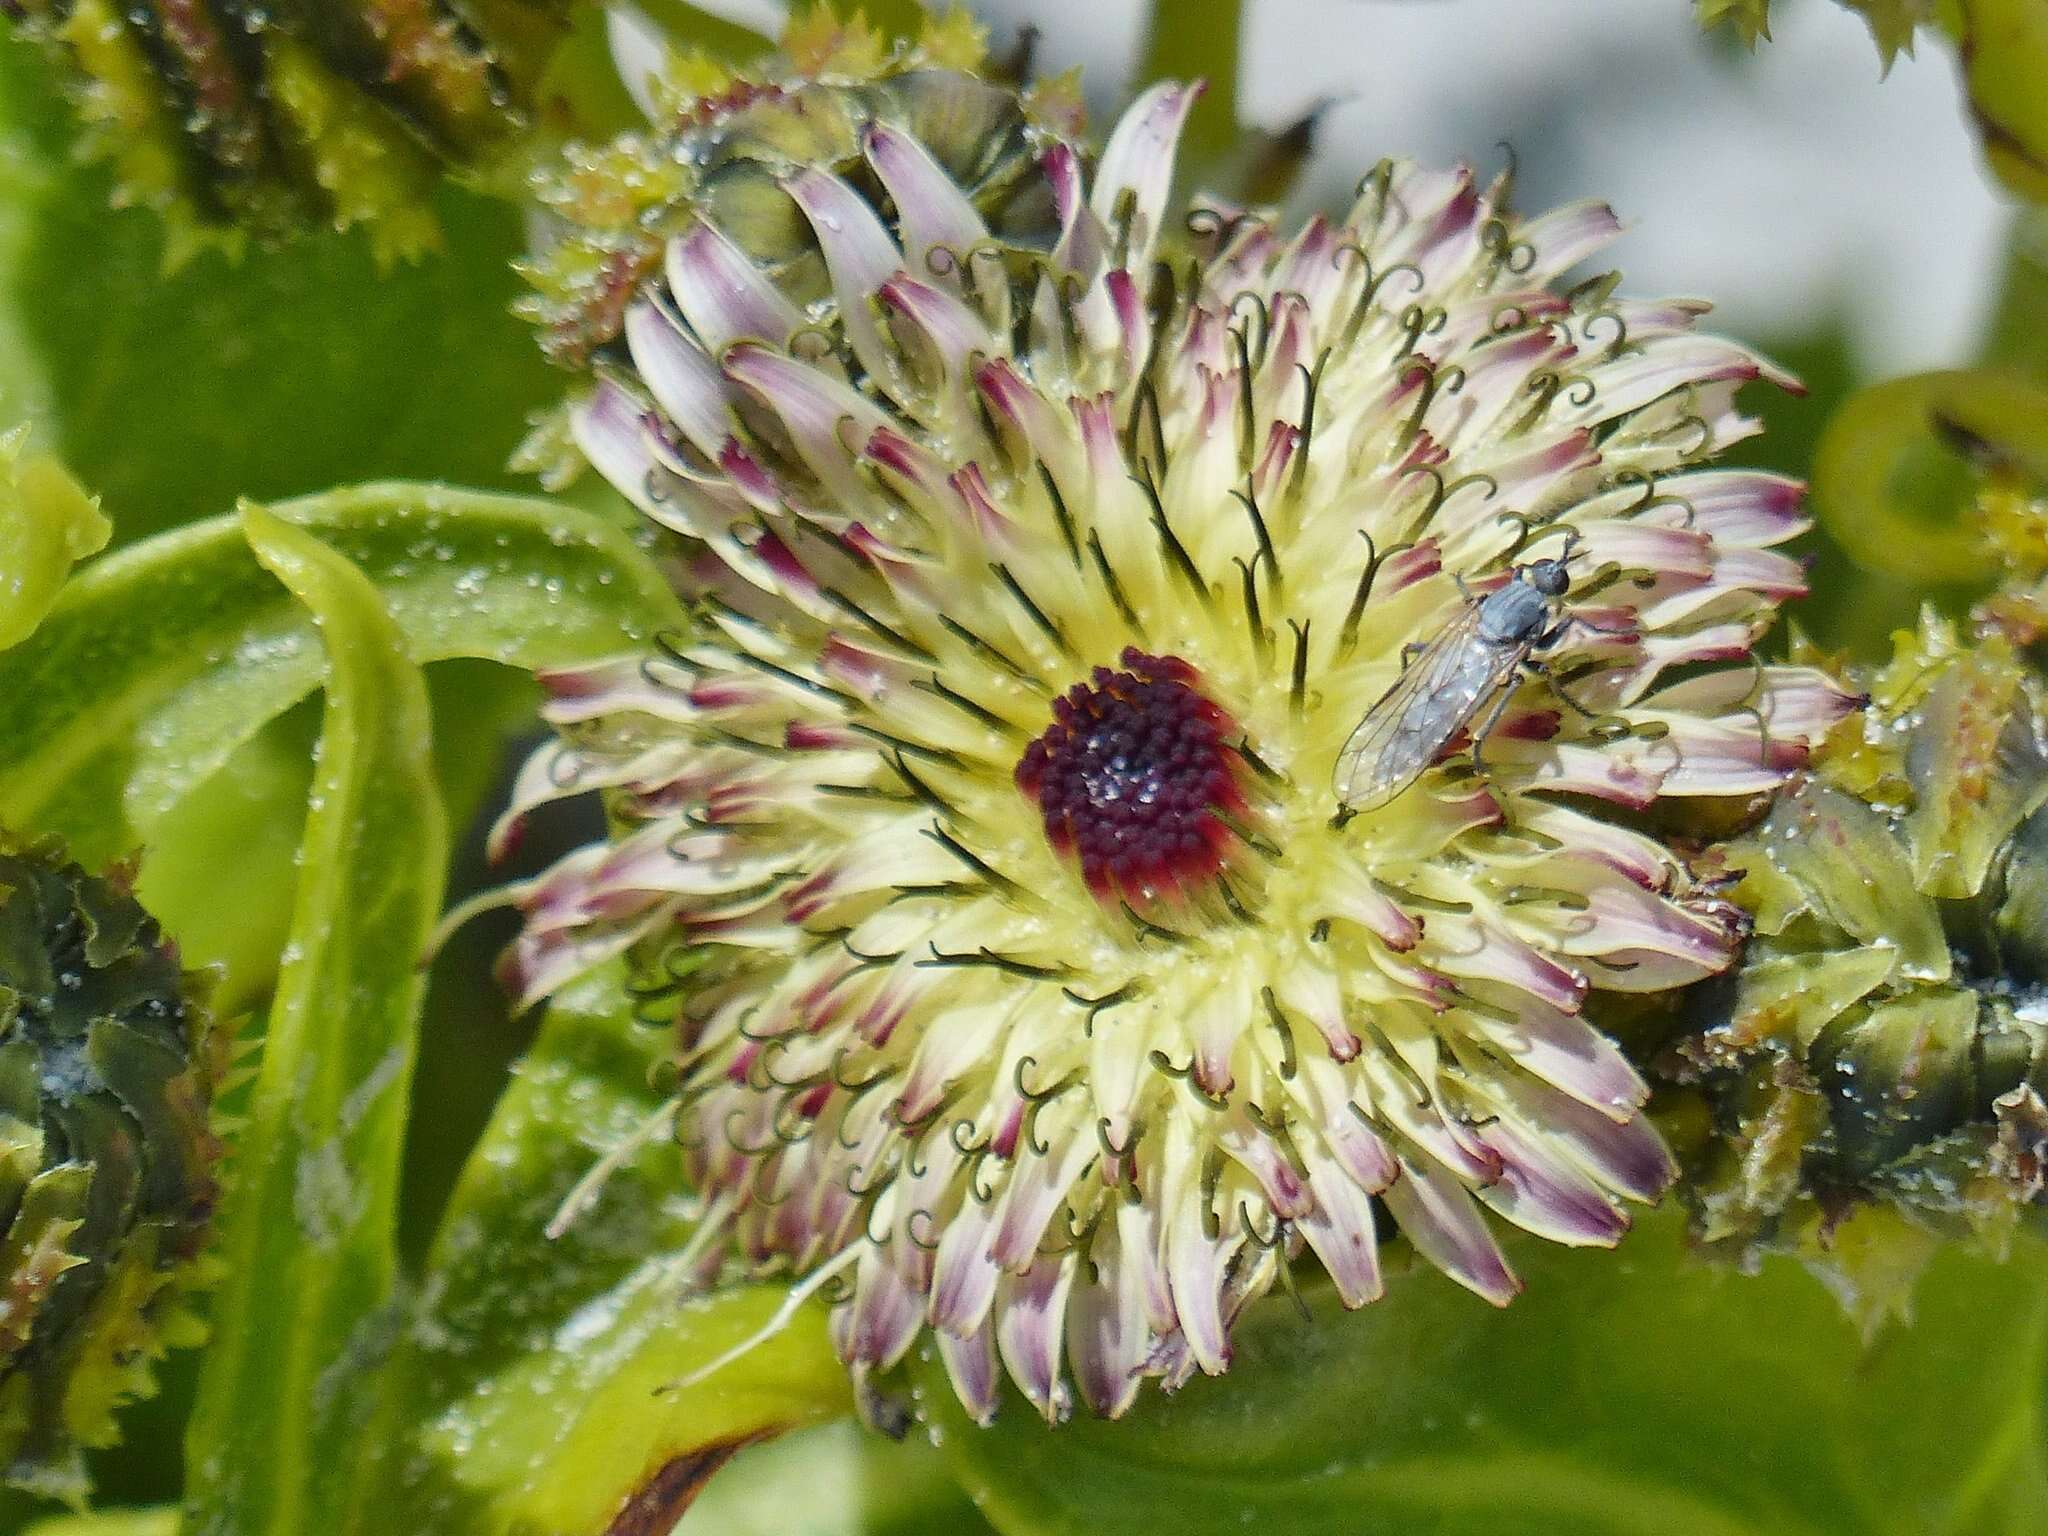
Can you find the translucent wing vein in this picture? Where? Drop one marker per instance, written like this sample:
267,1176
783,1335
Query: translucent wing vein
1415,719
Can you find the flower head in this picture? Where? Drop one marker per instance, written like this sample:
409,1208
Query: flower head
1049,985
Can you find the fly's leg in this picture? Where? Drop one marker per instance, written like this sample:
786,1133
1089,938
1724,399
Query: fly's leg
1606,728
1542,670
1410,651
1564,626
1479,736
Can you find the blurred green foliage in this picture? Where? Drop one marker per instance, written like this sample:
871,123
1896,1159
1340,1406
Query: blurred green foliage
171,393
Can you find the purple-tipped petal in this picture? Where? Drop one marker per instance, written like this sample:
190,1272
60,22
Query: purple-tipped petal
885,1312
1665,364
1488,952
1569,1054
723,295
963,1275
956,333
1742,507
859,256
1439,1218
1196,1269
1082,243
935,214
1259,1154
1564,237
970,1362
1357,1148
1542,1191
1107,1332
1030,1328
1625,1155
611,430
1038,1185
1137,163
827,420
1340,1230
680,375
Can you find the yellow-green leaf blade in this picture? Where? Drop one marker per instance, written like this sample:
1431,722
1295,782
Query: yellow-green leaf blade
524,1400
47,524
307,1234
157,662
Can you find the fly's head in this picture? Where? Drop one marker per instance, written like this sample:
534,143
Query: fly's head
1548,577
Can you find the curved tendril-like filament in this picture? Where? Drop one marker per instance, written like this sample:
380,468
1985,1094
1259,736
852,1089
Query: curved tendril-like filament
785,1314
585,1191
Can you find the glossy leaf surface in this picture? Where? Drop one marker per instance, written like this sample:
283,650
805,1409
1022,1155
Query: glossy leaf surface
536,1391
157,662
1632,1394
308,1232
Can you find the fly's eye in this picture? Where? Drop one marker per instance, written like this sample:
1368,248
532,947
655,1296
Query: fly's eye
1550,578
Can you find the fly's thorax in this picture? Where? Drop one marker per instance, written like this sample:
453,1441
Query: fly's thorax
1515,615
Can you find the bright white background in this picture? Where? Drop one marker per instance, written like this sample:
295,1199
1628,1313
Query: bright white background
1792,187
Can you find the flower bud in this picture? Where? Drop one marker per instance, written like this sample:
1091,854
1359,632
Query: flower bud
238,120
107,1067
1876,1065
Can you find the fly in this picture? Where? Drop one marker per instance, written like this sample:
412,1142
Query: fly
1470,662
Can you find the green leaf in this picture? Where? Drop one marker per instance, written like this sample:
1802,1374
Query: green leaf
525,1400
248,811
307,1236
2004,48
157,662
1750,20
47,525
1893,24
1198,40
1632,1394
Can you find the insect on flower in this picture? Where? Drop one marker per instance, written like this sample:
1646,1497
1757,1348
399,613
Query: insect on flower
1471,661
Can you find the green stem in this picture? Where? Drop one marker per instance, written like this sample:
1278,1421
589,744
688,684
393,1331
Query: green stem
1199,40
2017,334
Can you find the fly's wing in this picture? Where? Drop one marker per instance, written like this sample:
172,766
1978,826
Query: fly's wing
1430,703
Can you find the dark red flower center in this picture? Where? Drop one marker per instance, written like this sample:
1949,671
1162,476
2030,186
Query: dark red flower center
1135,777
